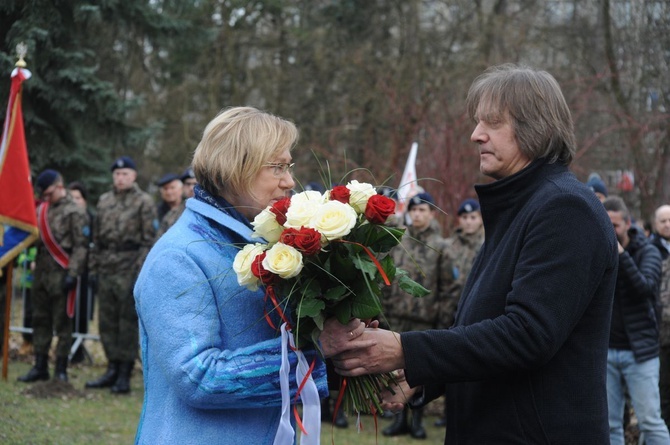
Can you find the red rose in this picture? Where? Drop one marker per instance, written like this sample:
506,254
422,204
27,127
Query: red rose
261,272
279,208
306,240
379,208
340,193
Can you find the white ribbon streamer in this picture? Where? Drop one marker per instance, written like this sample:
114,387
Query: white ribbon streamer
311,405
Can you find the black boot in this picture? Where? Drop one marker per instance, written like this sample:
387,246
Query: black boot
399,425
107,379
418,431
61,369
341,419
122,385
326,415
38,372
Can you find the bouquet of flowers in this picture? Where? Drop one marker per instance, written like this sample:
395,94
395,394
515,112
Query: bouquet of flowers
327,255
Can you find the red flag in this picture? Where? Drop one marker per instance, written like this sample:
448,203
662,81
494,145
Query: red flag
18,220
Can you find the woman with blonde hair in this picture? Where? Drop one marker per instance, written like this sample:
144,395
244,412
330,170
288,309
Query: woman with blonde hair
211,361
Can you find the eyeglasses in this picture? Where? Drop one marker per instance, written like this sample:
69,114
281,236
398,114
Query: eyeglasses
280,168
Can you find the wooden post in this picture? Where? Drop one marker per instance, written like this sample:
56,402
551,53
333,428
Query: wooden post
8,310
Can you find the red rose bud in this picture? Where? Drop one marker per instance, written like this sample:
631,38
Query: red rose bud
279,208
288,236
340,193
306,240
259,271
379,208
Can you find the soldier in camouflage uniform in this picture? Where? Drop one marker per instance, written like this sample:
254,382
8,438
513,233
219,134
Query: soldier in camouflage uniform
661,239
68,229
171,189
189,181
460,253
421,255
125,229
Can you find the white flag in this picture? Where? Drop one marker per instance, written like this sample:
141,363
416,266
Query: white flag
408,186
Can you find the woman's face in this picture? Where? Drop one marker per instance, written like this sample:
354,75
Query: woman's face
266,189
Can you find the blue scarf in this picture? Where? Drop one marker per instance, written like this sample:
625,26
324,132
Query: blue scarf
221,204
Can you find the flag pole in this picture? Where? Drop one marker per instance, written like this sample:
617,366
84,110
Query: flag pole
18,221
8,311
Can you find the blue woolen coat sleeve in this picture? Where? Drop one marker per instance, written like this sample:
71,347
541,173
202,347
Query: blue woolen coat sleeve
201,336
543,282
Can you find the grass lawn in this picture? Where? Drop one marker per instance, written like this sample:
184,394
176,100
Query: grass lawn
73,415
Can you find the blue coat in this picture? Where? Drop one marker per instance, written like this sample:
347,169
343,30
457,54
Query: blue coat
526,359
210,359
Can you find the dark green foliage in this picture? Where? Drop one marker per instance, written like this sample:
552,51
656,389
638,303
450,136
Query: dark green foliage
80,110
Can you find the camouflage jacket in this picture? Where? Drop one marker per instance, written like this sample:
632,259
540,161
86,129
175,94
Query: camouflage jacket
170,218
69,227
664,295
125,229
420,254
460,253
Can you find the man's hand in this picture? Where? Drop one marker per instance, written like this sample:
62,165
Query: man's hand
69,283
395,398
356,350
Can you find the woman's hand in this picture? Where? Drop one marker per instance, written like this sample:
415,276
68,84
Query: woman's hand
337,337
356,350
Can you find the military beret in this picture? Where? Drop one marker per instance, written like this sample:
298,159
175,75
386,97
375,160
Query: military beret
166,179
388,192
468,206
597,185
420,198
188,174
315,186
46,179
124,162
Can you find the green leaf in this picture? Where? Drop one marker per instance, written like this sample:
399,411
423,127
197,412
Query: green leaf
343,311
366,302
310,307
365,265
389,267
410,286
335,293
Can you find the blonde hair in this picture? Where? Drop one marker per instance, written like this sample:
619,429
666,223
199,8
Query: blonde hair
534,103
236,144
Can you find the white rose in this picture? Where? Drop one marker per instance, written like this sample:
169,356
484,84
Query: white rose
266,226
283,260
242,265
360,193
302,208
333,220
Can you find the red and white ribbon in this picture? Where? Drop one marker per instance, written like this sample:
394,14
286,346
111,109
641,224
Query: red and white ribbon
309,393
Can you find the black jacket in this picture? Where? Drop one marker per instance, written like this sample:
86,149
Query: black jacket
525,362
636,295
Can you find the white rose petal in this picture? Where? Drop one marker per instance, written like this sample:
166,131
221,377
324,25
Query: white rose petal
242,265
302,208
333,220
266,226
360,192
313,196
283,260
